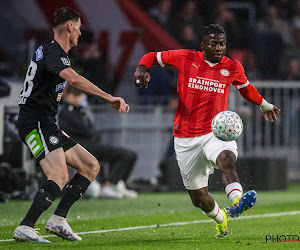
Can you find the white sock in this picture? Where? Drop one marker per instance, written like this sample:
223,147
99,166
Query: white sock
216,214
233,190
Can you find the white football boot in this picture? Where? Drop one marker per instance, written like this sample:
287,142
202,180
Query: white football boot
59,226
25,233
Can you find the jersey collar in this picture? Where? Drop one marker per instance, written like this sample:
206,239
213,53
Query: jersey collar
53,41
208,62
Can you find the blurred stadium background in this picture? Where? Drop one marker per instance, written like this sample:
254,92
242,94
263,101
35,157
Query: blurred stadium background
263,35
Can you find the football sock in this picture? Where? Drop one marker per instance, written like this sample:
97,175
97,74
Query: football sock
216,214
233,190
74,190
42,201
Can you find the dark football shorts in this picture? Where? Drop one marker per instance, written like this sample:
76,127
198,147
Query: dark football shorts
44,137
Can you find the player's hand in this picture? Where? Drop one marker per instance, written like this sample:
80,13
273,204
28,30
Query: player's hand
119,104
272,115
141,77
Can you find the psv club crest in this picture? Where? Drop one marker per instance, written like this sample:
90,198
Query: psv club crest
224,72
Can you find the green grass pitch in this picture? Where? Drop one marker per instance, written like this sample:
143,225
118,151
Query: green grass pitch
111,224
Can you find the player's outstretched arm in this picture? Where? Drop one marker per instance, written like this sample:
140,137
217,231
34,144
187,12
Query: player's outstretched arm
270,111
86,86
251,94
141,77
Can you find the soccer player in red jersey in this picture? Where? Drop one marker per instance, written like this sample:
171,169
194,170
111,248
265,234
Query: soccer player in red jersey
202,86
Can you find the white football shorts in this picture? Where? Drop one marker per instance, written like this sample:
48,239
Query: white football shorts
197,157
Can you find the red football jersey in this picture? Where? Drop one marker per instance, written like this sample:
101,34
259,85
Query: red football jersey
202,88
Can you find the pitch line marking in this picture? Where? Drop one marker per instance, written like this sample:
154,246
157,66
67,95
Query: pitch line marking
177,224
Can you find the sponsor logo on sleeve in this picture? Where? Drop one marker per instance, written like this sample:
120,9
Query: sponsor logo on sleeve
60,86
39,53
65,61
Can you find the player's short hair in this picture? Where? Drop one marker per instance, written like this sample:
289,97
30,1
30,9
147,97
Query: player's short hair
213,29
64,14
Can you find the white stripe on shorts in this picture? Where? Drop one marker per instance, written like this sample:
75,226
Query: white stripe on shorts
43,139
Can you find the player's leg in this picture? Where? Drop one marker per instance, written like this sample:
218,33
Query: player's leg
226,162
88,168
202,198
224,156
50,155
195,170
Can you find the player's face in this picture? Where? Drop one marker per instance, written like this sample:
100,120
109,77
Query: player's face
214,47
75,33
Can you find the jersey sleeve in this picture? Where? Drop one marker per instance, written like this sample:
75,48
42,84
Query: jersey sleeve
241,83
171,58
148,60
56,62
240,80
251,94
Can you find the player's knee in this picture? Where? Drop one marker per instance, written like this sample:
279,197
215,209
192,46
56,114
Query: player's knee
226,160
94,168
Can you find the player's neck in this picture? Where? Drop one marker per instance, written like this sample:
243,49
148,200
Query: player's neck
63,42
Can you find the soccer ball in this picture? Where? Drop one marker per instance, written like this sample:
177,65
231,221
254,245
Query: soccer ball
93,190
227,126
